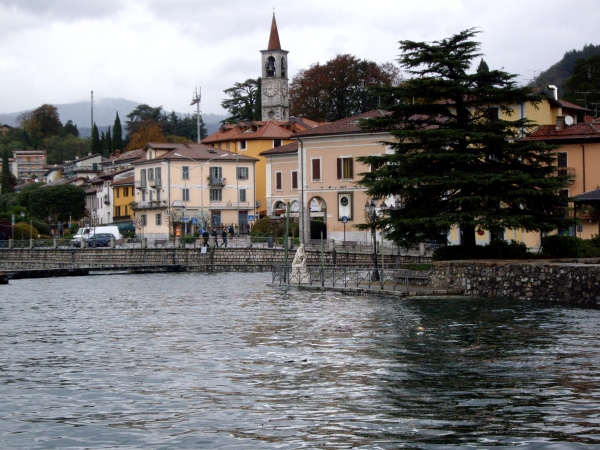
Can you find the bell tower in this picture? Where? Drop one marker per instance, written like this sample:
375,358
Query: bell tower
275,102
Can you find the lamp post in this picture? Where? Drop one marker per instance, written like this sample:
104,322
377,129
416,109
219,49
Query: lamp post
372,216
22,218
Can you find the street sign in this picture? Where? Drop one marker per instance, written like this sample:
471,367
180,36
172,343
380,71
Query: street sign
194,221
344,219
185,219
250,218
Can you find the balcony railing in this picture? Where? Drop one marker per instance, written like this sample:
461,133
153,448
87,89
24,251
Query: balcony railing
566,171
141,184
214,181
155,204
155,183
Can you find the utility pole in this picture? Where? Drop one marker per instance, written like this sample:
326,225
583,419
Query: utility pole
196,101
92,122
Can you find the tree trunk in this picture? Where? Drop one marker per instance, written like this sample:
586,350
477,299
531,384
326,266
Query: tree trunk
468,235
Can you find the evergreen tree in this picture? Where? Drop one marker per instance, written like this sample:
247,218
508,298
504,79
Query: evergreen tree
5,176
455,161
96,147
108,148
117,135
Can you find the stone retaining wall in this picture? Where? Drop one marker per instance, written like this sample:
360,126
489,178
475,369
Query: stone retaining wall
221,259
536,280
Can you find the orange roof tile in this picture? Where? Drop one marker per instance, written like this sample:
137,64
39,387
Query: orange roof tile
274,36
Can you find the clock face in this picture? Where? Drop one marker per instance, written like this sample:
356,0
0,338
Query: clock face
270,89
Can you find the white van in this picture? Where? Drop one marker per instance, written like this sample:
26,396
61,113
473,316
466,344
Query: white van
86,232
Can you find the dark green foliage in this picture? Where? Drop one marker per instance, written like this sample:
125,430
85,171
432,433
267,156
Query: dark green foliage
583,86
71,128
497,249
244,102
117,134
266,227
455,161
96,145
107,145
6,185
557,246
563,69
58,202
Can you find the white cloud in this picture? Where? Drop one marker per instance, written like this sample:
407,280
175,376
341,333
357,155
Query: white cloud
158,51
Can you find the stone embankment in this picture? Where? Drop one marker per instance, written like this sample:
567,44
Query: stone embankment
576,281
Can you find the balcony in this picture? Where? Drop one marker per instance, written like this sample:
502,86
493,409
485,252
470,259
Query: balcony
106,200
155,183
155,204
213,181
141,184
566,171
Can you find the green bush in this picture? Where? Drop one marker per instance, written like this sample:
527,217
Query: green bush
497,249
557,246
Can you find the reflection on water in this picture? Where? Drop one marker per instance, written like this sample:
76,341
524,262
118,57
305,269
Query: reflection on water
221,361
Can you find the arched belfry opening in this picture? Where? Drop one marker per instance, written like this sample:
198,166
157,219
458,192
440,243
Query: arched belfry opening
274,91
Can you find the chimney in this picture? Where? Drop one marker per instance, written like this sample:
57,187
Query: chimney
560,123
555,91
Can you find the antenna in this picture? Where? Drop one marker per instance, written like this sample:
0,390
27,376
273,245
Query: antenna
585,94
196,101
534,74
92,125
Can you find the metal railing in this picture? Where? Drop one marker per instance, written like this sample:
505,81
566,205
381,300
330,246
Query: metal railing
345,277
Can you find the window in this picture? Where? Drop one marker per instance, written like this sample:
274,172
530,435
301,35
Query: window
562,164
216,173
158,195
158,219
126,210
150,174
216,195
143,177
278,181
344,168
157,175
242,144
185,195
242,195
294,179
150,195
185,173
144,220
126,191
118,211
316,169
143,196
117,190
276,143
242,173
227,146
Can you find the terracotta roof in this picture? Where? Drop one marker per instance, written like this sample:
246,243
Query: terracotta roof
570,105
282,149
576,131
274,36
343,126
260,129
195,152
124,181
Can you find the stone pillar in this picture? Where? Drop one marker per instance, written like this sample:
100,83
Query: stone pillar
112,242
31,243
212,242
248,241
177,242
330,244
54,243
422,249
10,243
144,242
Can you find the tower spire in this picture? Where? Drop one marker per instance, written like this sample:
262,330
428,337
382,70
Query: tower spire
274,36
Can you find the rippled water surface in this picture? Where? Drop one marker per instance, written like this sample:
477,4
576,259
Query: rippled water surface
222,361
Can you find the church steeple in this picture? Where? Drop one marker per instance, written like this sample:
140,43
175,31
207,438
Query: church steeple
274,36
274,90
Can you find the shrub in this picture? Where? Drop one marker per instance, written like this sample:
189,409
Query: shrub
497,249
557,246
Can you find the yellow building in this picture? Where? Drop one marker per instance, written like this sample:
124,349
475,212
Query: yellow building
123,195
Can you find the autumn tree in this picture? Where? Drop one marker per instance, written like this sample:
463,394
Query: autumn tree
148,131
40,123
455,159
140,116
244,102
340,88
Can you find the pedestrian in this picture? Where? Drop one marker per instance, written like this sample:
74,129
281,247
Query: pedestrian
3,239
214,236
230,229
224,237
205,237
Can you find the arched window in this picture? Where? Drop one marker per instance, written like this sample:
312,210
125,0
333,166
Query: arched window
270,66
283,67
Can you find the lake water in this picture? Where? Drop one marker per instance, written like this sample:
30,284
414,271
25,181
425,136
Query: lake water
223,361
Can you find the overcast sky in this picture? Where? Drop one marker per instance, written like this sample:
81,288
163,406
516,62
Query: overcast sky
158,51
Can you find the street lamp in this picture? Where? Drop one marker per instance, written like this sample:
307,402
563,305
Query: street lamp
372,216
22,218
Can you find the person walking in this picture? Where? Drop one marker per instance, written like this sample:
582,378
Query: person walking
213,234
205,237
224,237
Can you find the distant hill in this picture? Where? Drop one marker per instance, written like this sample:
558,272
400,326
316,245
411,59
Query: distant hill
563,69
105,110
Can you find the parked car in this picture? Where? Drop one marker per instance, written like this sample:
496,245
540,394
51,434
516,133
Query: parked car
99,240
